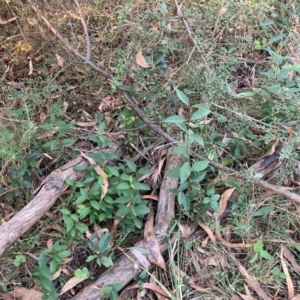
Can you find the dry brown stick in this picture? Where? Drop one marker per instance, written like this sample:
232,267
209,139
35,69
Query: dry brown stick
66,43
279,190
88,45
52,187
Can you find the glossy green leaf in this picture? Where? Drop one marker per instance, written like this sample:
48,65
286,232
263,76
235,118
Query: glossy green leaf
200,166
175,119
182,97
185,172
200,114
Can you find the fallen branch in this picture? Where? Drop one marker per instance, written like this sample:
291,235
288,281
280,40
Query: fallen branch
125,269
278,190
51,188
166,205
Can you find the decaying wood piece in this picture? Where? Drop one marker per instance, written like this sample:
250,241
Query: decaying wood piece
125,269
268,164
51,188
128,266
166,204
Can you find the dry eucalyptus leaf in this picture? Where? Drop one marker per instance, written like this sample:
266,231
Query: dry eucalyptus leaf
252,282
86,124
151,286
30,67
289,282
101,173
223,203
60,61
39,58
25,294
72,283
287,253
140,59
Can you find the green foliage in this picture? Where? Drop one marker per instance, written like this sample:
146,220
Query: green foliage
20,259
278,275
110,291
260,252
123,200
82,273
48,263
102,249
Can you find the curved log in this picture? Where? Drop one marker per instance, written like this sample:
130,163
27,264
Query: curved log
51,188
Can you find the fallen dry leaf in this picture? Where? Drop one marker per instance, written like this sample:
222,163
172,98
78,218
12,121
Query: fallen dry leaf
150,241
140,59
60,61
86,124
4,22
25,294
204,242
252,282
236,297
50,244
71,283
30,67
246,297
39,58
101,173
56,274
287,253
193,284
6,297
271,150
223,203
228,244
158,295
290,286
208,231
183,231
151,286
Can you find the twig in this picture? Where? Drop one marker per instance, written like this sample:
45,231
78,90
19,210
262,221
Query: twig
66,43
88,45
186,25
244,116
279,190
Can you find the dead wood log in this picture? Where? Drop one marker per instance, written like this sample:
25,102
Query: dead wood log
51,188
166,204
125,269
128,266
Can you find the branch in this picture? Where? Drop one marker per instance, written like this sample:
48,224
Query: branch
279,190
66,43
88,45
